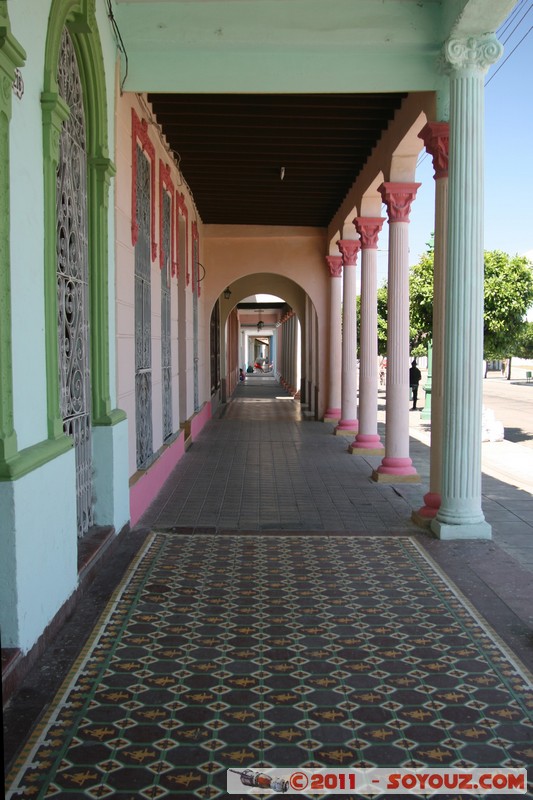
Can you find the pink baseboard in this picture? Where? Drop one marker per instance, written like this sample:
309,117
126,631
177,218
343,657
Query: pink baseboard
200,419
144,491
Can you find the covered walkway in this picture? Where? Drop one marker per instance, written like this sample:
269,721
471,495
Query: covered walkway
274,607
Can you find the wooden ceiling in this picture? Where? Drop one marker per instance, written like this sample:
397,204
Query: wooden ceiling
232,150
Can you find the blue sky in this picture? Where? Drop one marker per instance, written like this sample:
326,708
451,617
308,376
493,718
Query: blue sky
508,154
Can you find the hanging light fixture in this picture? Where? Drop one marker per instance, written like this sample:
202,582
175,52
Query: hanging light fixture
260,324
227,293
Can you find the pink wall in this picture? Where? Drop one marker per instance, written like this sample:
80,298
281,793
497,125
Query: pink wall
145,489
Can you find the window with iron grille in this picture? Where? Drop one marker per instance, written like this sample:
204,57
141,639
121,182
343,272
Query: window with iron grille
195,321
215,347
143,319
72,275
166,351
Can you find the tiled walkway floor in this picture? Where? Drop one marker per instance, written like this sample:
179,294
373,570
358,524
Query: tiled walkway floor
283,612
261,467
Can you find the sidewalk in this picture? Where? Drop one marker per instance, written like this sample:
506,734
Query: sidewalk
507,488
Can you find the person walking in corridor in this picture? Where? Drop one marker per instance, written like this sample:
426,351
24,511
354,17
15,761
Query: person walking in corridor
415,377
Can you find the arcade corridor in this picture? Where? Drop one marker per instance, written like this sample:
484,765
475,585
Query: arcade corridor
274,608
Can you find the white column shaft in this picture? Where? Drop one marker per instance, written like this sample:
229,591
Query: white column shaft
397,432
368,373
349,348
335,346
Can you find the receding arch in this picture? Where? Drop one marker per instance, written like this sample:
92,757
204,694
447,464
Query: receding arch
405,156
265,283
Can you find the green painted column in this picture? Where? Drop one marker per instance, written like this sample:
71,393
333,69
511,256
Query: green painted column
460,515
12,55
425,415
101,170
435,136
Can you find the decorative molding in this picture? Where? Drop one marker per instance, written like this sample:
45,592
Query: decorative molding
166,184
368,229
470,54
349,250
33,457
398,198
335,266
181,208
18,84
195,267
436,138
139,133
12,56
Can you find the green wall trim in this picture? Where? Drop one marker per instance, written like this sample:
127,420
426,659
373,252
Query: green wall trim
112,418
33,457
12,55
100,172
55,112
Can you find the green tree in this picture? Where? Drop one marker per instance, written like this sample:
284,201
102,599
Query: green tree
421,299
524,344
382,320
508,293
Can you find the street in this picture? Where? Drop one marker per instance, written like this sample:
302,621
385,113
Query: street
512,403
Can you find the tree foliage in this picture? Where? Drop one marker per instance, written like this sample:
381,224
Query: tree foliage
382,320
508,294
524,343
421,300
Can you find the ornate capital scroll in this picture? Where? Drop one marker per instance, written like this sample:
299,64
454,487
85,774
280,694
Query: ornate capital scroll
470,54
436,138
368,229
349,249
398,198
335,266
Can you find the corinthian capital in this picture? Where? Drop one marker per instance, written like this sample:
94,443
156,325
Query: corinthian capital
349,249
335,266
471,54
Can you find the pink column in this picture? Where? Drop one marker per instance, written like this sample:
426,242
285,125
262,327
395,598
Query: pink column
367,440
397,467
348,422
435,136
333,413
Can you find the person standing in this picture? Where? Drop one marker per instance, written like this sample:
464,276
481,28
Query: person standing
415,377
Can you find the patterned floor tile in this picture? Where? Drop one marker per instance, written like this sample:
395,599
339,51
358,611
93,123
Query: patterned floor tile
281,651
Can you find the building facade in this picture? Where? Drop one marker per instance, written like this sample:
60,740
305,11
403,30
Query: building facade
117,339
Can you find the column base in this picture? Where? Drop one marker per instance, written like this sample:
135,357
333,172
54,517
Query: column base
366,444
347,427
427,512
366,451
386,477
332,415
396,470
477,530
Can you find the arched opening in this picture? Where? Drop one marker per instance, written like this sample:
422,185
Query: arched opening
272,336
